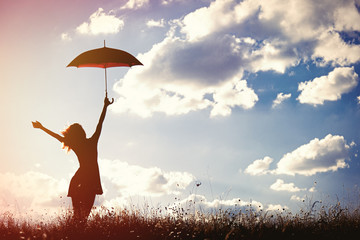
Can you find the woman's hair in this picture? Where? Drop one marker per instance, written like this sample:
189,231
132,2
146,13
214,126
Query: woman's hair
73,135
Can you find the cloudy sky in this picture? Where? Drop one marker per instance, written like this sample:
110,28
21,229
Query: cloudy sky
251,100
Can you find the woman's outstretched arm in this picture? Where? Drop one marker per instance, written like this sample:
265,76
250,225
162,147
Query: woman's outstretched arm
51,133
107,102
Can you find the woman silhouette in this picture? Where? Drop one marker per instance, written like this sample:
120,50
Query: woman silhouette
85,184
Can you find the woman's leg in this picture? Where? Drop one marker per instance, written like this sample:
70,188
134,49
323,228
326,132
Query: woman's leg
82,206
87,205
77,208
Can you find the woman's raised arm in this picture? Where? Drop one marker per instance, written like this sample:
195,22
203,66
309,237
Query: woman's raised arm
97,132
51,133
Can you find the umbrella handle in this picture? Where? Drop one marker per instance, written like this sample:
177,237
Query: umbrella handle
106,93
105,82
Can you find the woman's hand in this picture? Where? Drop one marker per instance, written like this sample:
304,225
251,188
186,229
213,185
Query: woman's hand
107,101
37,124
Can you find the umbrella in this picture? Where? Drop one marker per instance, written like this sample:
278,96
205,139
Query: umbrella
104,58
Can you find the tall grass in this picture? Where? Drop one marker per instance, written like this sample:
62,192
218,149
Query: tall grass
313,222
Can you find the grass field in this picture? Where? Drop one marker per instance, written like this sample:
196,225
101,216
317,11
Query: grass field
315,222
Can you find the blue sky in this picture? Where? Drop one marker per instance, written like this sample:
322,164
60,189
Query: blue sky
255,100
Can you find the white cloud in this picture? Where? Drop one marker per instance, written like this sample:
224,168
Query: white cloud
284,26
65,37
296,198
177,75
280,98
332,49
37,193
276,207
259,167
347,16
34,192
153,23
135,4
219,15
195,203
116,202
274,19
231,94
126,180
295,19
327,154
101,23
200,63
166,2
235,205
328,88
280,185
358,98
272,55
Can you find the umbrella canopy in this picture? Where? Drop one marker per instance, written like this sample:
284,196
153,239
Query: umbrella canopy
104,58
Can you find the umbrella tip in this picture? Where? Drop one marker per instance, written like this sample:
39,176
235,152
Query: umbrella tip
104,43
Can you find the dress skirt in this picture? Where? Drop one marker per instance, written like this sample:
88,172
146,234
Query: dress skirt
85,182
